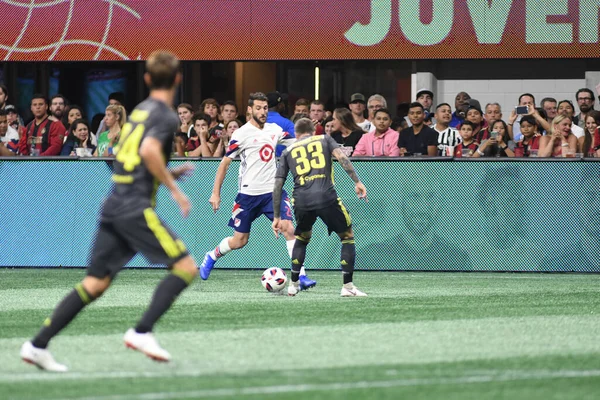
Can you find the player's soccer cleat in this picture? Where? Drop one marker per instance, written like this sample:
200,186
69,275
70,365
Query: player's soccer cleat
41,358
147,344
293,289
306,283
354,292
207,265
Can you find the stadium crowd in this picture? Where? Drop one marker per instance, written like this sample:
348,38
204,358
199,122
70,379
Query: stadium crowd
363,127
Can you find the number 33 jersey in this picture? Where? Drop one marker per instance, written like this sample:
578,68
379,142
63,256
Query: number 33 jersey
256,148
135,187
309,160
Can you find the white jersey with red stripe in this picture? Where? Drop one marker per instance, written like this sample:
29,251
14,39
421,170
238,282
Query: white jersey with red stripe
256,148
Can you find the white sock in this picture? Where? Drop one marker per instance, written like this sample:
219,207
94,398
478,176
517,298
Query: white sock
290,248
222,249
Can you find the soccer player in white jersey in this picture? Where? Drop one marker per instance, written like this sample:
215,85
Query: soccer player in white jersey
255,143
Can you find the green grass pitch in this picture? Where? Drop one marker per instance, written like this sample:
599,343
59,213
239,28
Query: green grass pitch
417,336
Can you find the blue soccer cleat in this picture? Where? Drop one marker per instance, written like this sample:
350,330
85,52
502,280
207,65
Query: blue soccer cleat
207,265
306,283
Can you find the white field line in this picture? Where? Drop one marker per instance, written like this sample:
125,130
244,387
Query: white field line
264,390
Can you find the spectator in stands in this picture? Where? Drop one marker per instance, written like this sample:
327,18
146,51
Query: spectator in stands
42,137
328,125
58,106
446,136
357,106
542,123
587,143
398,124
549,106
114,119
525,100
75,112
383,142
317,111
417,140
468,146
425,97
496,145
302,107
3,96
345,130
78,141
298,116
14,120
560,142
529,144
374,103
9,137
229,111
585,101
185,112
493,112
596,146
201,122
180,144
211,108
114,99
461,104
276,109
475,115
230,127
565,107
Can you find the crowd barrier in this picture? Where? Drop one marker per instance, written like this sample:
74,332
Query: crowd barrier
422,214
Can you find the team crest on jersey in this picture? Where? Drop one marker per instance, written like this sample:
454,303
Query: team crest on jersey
266,153
237,222
236,210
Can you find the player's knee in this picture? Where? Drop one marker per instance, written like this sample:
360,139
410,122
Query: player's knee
346,236
304,236
95,287
188,266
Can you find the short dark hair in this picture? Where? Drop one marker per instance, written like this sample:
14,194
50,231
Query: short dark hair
526,94
202,116
318,103
528,118
468,123
4,89
39,96
230,103
257,96
210,100
585,90
118,96
566,101
59,96
3,112
163,67
302,102
383,110
546,99
304,126
187,106
416,104
442,105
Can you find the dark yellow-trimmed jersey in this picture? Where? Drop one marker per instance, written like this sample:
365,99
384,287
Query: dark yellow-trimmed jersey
134,186
309,160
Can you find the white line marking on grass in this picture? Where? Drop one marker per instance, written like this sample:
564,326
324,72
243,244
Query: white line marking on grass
258,390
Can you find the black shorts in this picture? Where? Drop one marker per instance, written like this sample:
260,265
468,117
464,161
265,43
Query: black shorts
118,240
335,216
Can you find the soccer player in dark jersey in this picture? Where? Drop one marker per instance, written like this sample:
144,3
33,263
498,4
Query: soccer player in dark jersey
128,223
314,197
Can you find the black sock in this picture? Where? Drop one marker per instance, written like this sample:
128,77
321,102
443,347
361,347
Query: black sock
63,314
298,256
165,294
348,258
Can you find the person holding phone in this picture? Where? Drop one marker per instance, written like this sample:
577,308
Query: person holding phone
496,145
528,108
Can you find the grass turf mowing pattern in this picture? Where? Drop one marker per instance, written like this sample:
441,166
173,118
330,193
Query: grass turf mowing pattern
418,336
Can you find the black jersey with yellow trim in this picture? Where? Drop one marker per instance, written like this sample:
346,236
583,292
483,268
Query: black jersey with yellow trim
310,161
134,185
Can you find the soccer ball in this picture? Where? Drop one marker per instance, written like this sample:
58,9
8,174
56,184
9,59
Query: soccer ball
273,279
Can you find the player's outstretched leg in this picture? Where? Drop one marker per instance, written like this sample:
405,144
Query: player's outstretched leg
347,261
141,338
35,351
298,256
237,241
288,232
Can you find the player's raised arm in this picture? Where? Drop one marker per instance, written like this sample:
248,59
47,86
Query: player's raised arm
359,188
151,153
